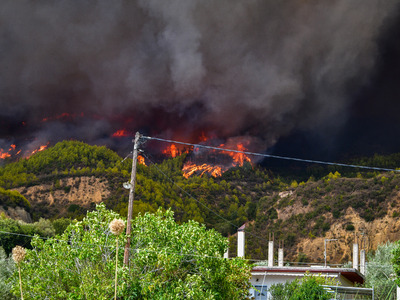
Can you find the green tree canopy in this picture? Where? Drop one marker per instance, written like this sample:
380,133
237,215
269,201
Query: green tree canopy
167,261
308,288
379,271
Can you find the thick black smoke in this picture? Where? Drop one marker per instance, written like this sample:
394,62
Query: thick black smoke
255,68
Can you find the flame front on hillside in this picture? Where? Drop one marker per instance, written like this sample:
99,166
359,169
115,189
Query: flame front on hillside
190,168
174,150
199,161
10,152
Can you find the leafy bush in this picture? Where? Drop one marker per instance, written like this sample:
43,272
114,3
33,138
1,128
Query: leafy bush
309,288
13,199
167,261
19,233
379,270
7,267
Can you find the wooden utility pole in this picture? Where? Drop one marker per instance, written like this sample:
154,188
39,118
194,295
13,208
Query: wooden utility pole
131,197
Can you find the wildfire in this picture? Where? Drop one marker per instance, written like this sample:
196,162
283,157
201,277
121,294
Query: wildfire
5,154
174,151
141,160
238,159
40,148
120,133
190,168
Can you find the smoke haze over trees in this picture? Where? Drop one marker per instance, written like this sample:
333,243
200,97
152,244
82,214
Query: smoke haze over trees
306,70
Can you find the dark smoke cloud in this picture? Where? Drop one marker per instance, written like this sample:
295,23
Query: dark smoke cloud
234,68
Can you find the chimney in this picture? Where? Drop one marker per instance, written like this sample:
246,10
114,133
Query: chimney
270,253
241,241
271,250
355,256
280,257
362,261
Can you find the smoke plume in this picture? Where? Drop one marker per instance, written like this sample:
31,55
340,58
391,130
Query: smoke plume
254,68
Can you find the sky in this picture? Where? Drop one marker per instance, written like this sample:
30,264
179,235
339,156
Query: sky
312,79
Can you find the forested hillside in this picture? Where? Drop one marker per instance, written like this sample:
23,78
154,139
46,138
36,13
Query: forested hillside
70,178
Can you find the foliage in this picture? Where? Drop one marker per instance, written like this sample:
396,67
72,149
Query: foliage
13,199
167,261
7,267
241,194
379,270
309,288
60,225
71,156
396,261
16,232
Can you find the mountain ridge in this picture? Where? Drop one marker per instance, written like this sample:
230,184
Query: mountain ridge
71,177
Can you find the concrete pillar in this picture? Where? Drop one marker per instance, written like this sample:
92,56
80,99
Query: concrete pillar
362,261
241,241
398,293
280,257
270,253
355,256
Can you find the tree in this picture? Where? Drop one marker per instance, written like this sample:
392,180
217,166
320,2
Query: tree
167,261
309,288
379,270
7,267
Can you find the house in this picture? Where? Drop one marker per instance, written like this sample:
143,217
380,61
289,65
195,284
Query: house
263,276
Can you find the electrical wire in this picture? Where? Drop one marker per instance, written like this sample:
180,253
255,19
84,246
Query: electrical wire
138,250
193,198
135,250
273,156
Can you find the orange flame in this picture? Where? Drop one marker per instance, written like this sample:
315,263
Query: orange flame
41,148
4,155
238,159
174,151
190,168
120,133
141,160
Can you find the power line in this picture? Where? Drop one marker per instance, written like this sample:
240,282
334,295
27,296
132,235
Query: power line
192,197
273,156
137,250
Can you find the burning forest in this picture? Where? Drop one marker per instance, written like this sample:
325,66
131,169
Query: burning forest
293,75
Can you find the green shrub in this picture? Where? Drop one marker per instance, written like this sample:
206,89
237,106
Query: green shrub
167,261
308,288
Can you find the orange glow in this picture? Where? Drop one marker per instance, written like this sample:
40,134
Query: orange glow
63,116
41,148
191,168
10,152
203,137
141,160
173,151
238,158
120,133
4,155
